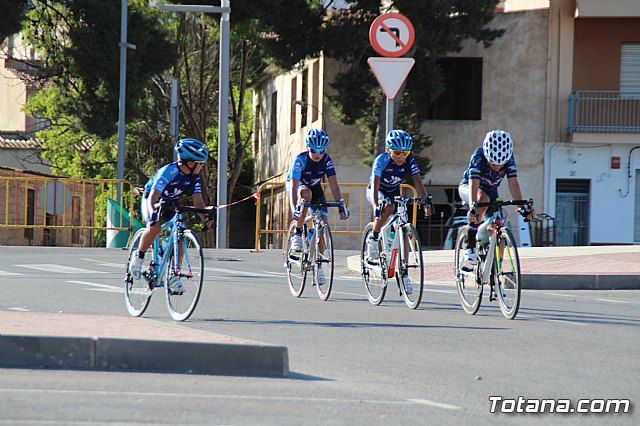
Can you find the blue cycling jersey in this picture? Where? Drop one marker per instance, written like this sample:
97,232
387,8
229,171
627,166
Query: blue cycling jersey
310,173
391,175
489,179
171,182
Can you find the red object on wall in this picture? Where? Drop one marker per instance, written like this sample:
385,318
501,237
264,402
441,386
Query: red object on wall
615,162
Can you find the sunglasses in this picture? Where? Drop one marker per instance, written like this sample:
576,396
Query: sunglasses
400,153
317,151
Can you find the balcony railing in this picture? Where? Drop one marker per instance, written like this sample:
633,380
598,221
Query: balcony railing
603,112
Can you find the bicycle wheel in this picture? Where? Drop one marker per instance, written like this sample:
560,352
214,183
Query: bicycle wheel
137,292
469,288
374,272
296,263
324,260
410,264
507,274
191,272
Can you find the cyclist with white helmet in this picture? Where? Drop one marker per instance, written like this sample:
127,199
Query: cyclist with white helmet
488,166
304,183
169,183
388,171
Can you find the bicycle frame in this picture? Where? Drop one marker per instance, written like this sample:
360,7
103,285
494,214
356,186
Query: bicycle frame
397,223
317,218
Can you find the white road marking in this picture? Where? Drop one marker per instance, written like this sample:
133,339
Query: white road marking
19,309
59,269
244,273
100,287
228,396
613,301
9,274
436,404
561,321
109,264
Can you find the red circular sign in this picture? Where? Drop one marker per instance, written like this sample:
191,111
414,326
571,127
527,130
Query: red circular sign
391,35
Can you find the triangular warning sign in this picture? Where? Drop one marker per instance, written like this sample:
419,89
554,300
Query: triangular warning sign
391,73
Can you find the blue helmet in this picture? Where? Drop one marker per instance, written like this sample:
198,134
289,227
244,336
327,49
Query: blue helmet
191,149
317,139
399,140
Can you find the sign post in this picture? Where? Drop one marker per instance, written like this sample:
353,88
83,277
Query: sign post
391,35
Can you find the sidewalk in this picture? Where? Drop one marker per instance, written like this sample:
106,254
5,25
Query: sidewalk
102,342
552,268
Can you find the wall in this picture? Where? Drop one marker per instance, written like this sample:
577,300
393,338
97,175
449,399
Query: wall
513,98
597,51
612,193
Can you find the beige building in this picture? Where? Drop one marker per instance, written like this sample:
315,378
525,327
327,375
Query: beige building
564,80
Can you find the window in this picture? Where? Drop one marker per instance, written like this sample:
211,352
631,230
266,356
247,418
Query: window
294,91
462,96
274,118
630,69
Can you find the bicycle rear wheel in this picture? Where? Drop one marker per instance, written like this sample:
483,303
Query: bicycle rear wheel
296,263
191,272
137,292
374,272
507,274
469,289
412,266
324,260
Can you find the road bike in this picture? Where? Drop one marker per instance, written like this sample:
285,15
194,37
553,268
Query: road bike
400,254
498,261
175,252
317,251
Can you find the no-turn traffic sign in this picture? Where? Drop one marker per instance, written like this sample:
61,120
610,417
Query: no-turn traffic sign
391,35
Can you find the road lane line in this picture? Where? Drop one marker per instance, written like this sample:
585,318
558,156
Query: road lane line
59,269
613,301
436,404
10,274
228,396
562,321
103,263
100,287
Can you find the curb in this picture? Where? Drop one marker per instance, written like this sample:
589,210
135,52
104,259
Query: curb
533,281
70,342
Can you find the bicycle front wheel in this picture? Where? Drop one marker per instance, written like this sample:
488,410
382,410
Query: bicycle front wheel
181,302
324,262
507,274
138,291
296,263
374,272
469,289
410,275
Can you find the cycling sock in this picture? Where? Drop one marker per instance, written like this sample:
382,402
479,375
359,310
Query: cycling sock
471,235
141,254
375,235
298,231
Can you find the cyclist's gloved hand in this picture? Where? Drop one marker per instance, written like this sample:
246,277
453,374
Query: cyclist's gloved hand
342,209
376,212
297,212
207,224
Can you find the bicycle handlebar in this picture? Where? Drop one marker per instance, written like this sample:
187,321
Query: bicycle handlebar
524,211
209,211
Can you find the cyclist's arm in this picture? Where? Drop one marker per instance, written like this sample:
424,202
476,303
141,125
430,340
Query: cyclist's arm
516,192
335,188
198,201
474,191
295,185
153,198
417,183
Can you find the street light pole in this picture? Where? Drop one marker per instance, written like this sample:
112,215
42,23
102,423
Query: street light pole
223,103
304,104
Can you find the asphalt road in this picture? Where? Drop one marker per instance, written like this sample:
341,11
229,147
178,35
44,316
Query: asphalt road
351,362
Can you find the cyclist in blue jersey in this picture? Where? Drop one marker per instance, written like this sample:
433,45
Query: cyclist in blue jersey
169,184
488,166
388,171
304,183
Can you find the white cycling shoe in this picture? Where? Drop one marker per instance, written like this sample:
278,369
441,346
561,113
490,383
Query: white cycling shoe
296,243
135,265
321,278
471,256
408,287
175,285
372,248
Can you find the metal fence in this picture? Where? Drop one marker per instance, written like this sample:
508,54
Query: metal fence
603,112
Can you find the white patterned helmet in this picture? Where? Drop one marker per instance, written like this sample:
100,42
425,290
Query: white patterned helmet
498,147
